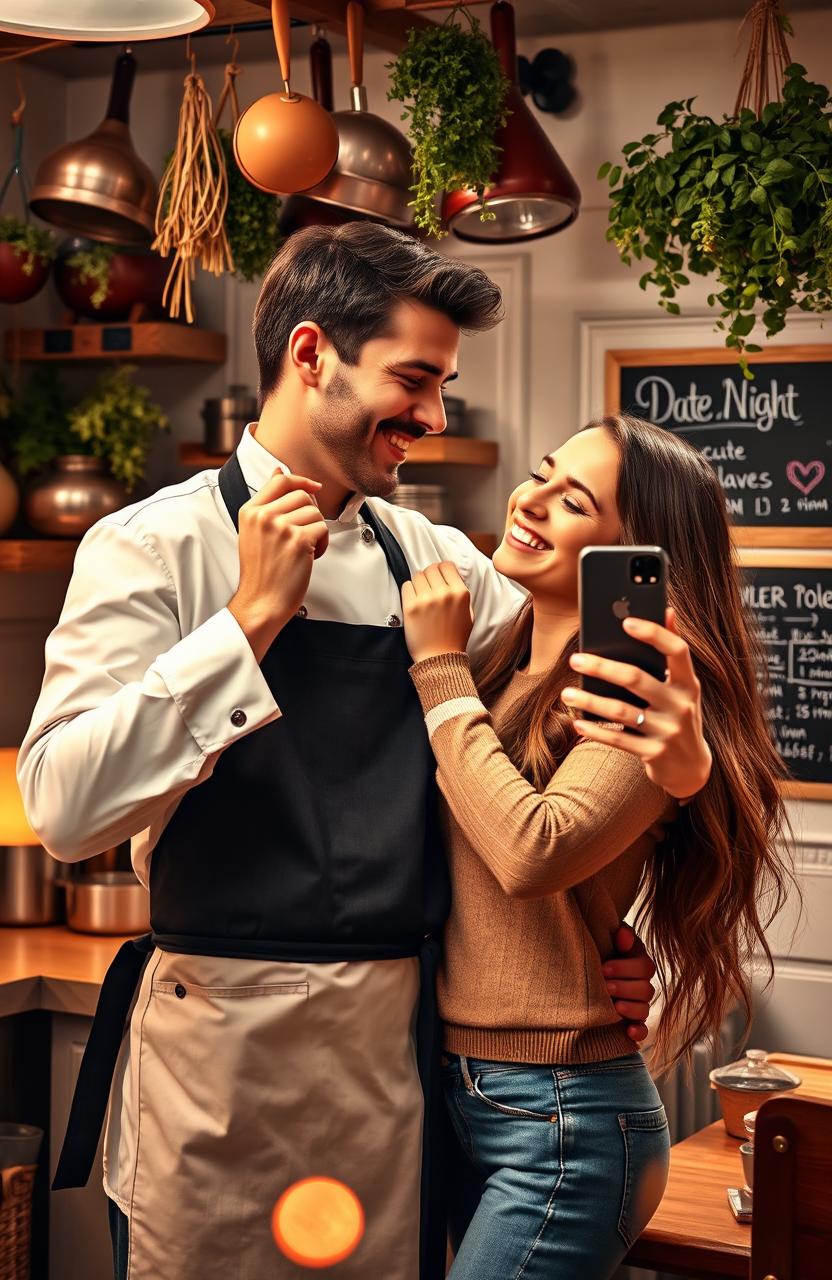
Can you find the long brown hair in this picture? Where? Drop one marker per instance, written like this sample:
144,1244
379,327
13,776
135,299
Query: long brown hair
719,877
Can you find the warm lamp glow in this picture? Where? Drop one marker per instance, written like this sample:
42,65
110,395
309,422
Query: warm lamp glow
318,1222
14,829
104,19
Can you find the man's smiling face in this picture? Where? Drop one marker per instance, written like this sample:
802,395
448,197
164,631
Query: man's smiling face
372,411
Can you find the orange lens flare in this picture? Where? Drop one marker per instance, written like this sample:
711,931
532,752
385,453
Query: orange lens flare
318,1222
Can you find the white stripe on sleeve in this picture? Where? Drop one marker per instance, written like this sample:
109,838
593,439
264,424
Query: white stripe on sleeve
447,710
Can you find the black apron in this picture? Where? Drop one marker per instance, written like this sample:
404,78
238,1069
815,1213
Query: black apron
315,839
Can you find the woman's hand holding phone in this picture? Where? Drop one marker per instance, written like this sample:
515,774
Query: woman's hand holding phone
668,736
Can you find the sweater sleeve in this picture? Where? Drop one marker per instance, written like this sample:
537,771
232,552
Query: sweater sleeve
598,802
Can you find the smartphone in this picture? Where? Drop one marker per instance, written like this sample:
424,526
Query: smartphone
614,583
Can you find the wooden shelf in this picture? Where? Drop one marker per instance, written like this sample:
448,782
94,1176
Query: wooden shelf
37,555
459,450
148,342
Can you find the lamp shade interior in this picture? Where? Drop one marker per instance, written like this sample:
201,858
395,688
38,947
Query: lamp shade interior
103,19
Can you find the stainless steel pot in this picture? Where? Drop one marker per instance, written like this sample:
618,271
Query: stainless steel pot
430,499
29,886
226,419
109,902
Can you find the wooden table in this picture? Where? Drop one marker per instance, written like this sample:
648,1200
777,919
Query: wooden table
52,968
693,1232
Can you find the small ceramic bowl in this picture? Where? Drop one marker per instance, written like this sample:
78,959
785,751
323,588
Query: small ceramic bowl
747,1157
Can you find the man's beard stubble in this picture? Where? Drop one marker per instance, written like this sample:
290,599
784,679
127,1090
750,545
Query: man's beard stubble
345,428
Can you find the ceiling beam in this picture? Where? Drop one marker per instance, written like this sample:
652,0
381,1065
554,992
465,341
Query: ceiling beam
386,29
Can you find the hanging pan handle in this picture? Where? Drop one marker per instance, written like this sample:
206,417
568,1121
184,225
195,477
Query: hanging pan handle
504,39
355,40
124,73
320,64
283,42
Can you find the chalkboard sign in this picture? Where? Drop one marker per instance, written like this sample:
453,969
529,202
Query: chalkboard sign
769,439
791,597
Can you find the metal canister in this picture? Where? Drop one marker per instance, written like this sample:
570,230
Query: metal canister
29,889
226,418
430,499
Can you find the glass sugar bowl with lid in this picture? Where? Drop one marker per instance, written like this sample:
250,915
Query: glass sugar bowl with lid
744,1085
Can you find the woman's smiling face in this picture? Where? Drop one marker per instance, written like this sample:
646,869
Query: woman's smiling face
566,505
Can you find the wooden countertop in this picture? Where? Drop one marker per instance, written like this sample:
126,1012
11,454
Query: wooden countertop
52,968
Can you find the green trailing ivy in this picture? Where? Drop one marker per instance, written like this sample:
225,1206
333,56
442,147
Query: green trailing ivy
118,421
93,265
454,93
747,199
26,238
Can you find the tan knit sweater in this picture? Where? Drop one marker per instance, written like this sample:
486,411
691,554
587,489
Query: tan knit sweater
541,880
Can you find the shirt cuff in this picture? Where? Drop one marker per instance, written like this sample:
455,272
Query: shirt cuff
443,678
216,682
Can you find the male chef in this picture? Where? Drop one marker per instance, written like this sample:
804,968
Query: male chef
228,685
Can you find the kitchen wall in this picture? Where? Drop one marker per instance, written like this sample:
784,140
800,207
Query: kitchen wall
623,79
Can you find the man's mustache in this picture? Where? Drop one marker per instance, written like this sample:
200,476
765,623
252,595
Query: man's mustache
413,429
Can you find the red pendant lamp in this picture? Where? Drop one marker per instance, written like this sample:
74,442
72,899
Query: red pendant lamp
533,194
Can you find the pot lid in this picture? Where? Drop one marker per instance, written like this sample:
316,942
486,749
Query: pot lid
754,1074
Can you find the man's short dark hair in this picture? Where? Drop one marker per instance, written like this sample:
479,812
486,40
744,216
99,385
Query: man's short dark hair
348,279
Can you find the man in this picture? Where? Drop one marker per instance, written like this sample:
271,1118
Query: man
228,679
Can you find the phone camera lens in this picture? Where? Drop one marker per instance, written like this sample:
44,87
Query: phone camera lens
645,570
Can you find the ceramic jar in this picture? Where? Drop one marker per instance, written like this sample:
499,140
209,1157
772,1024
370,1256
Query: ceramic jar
69,500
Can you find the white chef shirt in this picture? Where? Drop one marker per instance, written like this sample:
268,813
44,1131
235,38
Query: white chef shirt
149,677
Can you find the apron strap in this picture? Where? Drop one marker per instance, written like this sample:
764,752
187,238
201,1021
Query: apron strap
235,492
89,1103
433,1234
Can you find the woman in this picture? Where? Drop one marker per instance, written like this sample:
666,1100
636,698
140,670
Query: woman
556,825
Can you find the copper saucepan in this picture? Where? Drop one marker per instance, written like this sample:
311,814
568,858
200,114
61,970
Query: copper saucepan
285,142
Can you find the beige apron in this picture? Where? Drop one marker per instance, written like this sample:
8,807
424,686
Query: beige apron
240,1077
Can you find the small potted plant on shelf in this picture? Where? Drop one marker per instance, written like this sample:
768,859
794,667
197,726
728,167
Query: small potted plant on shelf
453,89
26,252
95,451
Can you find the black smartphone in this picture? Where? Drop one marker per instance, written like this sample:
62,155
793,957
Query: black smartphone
615,583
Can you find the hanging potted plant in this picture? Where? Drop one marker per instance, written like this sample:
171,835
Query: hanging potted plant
452,86
747,199
106,284
26,252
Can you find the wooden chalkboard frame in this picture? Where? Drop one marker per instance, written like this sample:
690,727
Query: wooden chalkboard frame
743,535
754,559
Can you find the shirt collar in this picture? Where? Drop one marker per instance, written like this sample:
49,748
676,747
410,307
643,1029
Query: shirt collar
257,465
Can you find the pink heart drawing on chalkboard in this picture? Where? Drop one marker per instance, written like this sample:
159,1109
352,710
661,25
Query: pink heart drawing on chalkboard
805,476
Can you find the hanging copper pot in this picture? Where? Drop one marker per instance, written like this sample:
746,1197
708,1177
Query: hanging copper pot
533,194
373,172
98,186
284,142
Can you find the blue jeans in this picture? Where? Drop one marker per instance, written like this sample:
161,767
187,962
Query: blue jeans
557,1169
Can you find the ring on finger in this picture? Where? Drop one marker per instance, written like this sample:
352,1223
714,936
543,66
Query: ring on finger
639,719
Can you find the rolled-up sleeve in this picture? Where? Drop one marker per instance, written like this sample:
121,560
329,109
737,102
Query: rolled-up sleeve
132,713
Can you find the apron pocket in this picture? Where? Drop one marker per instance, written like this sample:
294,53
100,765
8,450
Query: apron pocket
182,989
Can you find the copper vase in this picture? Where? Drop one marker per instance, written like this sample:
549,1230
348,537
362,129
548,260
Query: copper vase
68,501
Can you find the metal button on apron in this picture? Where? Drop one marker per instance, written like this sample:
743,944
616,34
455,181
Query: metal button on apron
367,534
302,611
238,717
394,620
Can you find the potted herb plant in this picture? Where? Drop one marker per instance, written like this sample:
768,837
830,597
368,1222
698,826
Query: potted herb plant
747,199
97,449
453,89
26,252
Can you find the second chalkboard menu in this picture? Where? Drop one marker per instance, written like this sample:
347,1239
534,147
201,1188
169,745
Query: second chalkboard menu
769,438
